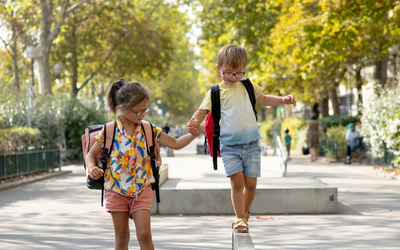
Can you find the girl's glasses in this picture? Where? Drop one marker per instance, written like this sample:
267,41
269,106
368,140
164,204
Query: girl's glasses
229,75
140,112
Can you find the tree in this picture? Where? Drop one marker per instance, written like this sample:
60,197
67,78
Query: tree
114,39
14,19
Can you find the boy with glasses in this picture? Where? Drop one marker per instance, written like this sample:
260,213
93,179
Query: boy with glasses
239,135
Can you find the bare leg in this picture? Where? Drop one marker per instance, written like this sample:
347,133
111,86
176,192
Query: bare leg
238,201
143,230
315,149
121,230
249,192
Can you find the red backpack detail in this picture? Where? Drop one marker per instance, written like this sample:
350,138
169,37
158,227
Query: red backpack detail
211,125
209,131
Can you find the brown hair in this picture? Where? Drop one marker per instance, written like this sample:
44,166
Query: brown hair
314,116
126,95
232,55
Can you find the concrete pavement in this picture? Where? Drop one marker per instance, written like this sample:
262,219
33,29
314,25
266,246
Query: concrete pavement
61,213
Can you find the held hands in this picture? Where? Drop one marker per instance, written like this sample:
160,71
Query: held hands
193,127
95,172
289,99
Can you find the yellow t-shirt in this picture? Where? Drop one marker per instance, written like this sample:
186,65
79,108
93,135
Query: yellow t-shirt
238,122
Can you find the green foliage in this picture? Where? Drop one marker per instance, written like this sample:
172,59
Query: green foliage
46,116
337,120
77,117
381,123
338,134
293,124
18,137
265,128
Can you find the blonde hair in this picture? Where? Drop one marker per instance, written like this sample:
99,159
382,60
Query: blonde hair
126,95
232,55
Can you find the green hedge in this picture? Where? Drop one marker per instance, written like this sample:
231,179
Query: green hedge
337,120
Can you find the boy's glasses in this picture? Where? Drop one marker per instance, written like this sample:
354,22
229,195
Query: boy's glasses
140,112
229,75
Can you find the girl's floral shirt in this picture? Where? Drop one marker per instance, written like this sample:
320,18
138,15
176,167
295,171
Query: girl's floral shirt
129,169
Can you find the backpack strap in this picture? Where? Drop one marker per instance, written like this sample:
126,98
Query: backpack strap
109,135
250,90
216,115
148,129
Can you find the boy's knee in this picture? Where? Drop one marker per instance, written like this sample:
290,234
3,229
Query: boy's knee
237,183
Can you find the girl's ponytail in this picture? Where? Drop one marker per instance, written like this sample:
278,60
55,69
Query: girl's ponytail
112,98
126,95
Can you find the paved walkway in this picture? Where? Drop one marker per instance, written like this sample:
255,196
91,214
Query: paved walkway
61,213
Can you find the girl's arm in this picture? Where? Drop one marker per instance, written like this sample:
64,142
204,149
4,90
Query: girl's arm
182,141
271,100
94,171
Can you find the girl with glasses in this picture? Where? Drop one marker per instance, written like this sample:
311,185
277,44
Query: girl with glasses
128,176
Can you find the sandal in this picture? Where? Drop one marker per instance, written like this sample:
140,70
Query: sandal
240,222
248,216
247,219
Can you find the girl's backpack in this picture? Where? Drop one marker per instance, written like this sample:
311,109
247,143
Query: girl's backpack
211,125
88,139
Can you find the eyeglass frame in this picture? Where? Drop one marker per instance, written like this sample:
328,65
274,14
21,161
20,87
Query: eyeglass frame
244,72
146,110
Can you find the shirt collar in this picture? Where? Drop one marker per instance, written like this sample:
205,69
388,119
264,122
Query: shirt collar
121,128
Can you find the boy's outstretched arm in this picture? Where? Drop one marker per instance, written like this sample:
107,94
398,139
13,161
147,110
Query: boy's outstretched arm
271,100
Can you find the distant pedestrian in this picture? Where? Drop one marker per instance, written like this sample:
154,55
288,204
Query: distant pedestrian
288,140
165,128
177,131
312,136
351,134
128,176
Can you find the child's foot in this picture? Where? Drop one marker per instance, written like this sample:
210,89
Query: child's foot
240,225
248,214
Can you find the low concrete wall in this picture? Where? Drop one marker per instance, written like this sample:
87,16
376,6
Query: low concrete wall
312,200
163,178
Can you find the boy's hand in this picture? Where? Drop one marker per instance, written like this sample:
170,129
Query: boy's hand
289,99
193,127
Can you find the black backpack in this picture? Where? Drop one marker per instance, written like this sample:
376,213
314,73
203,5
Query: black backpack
212,127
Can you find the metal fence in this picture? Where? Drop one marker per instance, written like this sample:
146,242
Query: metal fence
386,160
328,148
27,161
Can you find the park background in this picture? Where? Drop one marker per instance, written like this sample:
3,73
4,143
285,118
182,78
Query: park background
338,58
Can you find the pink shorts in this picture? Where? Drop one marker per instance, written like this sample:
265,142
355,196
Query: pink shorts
115,202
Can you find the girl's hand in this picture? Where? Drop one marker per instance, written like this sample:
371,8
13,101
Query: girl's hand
95,172
289,99
193,127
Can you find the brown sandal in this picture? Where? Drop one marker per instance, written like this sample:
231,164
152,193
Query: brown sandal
240,222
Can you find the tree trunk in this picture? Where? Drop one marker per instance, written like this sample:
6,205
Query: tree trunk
325,104
334,99
44,73
274,108
15,52
74,60
381,70
359,92
262,114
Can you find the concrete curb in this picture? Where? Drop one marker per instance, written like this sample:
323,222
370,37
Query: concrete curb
14,184
378,174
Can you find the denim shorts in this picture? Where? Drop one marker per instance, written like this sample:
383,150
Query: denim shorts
242,157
